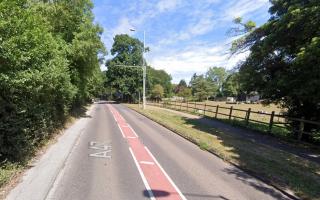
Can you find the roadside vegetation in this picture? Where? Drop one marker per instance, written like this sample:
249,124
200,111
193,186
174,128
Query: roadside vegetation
280,168
50,55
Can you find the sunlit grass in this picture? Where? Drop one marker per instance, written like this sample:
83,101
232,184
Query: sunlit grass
279,167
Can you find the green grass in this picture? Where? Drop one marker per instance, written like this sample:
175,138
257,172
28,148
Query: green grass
279,131
7,171
281,168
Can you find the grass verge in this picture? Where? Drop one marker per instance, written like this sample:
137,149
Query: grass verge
280,168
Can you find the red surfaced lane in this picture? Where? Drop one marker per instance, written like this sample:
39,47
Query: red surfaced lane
160,184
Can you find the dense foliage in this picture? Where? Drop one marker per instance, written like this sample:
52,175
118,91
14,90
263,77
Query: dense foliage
284,64
124,74
48,63
202,87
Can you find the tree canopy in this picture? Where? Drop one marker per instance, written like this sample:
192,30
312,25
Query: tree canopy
49,62
126,79
284,63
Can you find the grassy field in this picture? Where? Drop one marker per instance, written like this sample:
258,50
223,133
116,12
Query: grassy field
282,169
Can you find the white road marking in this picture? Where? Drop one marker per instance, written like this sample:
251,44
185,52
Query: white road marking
121,131
103,154
133,130
99,146
147,162
130,137
165,173
144,180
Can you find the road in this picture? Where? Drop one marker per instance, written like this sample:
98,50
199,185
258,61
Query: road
123,155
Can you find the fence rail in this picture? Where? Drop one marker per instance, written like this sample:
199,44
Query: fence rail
269,120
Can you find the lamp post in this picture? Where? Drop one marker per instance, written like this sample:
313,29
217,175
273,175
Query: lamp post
144,70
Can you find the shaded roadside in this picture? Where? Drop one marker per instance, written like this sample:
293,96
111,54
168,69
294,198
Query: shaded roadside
304,151
286,171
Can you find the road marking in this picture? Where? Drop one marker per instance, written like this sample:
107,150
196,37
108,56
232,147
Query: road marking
121,131
147,162
104,150
133,130
97,146
165,173
144,180
103,154
153,175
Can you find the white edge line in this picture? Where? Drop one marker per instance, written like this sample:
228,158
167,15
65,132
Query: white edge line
142,176
133,130
164,172
121,130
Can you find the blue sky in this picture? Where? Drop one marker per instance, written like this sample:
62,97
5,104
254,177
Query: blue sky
185,36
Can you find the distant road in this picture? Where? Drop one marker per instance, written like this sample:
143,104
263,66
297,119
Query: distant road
122,155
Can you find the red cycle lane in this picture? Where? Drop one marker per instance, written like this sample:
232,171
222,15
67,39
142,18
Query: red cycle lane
157,182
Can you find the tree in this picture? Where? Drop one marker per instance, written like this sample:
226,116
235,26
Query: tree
73,22
44,69
161,77
127,51
181,86
231,86
284,61
217,75
157,92
202,88
185,92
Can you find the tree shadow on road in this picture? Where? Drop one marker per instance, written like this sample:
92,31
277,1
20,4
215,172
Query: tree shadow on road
162,193
269,164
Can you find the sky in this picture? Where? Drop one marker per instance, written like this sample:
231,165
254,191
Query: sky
184,36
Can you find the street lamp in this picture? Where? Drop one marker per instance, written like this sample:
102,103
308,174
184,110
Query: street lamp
144,69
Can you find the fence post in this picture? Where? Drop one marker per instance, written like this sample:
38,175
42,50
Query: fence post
230,114
187,106
195,107
248,116
204,110
301,129
217,110
180,104
271,122
175,106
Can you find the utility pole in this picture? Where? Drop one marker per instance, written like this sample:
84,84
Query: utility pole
144,71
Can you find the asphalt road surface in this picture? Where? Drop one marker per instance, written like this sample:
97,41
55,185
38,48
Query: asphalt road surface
122,155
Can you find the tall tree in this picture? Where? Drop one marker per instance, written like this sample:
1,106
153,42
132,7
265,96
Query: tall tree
181,86
157,92
127,51
217,75
231,86
284,61
202,88
39,66
161,77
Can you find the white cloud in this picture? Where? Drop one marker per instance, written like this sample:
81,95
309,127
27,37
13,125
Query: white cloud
123,27
201,19
244,7
166,5
195,59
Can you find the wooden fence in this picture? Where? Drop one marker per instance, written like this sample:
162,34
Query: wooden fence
269,121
